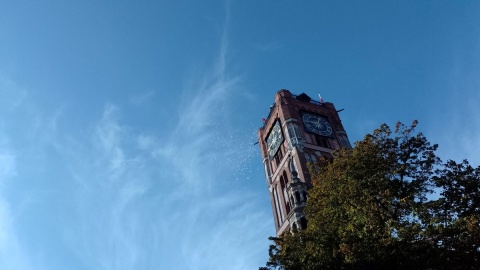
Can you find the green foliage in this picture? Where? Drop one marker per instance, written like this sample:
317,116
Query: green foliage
369,209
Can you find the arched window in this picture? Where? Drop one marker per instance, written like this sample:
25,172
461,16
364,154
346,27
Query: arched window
293,134
294,227
283,185
307,157
322,141
279,156
280,215
297,196
342,137
285,176
303,223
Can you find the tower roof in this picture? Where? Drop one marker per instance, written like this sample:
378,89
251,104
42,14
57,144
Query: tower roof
304,97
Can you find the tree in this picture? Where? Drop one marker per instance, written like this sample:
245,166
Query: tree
372,208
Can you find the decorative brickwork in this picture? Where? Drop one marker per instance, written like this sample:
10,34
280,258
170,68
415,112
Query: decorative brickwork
309,129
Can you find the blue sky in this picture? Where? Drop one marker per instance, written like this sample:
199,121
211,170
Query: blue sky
127,127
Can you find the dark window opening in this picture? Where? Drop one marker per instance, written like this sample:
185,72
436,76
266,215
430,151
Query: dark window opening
285,176
279,156
322,141
297,196
303,223
283,184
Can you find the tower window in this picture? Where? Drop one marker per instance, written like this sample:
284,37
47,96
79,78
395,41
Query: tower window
275,162
303,223
297,196
307,157
283,184
322,141
294,135
279,156
310,158
278,208
344,141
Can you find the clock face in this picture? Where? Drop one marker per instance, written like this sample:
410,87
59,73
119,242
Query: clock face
274,140
316,124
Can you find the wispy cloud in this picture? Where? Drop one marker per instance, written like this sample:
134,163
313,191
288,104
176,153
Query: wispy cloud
12,254
167,201
7,165
459,124
122,196
142,98
11,94
266,47
151,200
461,129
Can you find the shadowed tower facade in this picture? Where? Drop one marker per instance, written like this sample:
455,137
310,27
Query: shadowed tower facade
297,131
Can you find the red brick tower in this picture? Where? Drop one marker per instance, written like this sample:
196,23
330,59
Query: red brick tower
297,130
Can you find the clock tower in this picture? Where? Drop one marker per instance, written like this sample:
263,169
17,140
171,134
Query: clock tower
297,131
